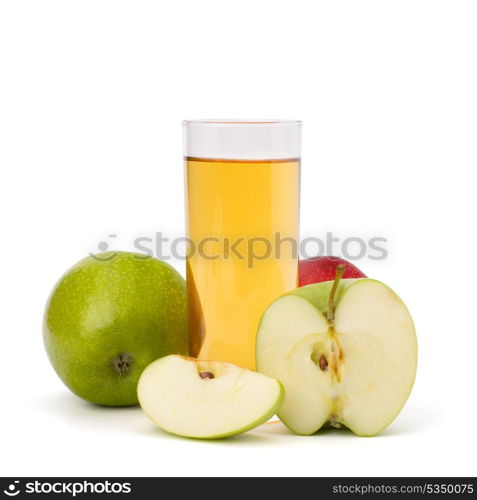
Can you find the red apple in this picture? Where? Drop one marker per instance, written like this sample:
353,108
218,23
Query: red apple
320,269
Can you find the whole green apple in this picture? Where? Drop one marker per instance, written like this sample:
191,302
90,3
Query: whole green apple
108,318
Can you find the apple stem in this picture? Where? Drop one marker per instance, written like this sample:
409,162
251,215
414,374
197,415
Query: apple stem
330,314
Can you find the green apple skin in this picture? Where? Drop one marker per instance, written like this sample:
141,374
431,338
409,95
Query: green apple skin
108,318
317,295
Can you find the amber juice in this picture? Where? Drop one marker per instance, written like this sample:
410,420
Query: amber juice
242,222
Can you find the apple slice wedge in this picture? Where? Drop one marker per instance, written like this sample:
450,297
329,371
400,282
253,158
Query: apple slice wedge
345,351
206,399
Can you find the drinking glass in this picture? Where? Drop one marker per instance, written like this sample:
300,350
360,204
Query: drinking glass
242,209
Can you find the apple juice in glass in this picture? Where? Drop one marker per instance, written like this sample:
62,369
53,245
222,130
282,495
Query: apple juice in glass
242,209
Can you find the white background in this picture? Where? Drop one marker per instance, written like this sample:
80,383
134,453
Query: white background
92,94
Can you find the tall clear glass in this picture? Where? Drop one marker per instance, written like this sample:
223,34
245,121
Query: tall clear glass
242,206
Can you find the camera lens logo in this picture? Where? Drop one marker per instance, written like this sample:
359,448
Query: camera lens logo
106,254
12,490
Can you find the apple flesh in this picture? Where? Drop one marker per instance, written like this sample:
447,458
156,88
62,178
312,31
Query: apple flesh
206,399
345,352
319,269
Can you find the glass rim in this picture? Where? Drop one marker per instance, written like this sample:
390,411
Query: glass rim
242,139
227,122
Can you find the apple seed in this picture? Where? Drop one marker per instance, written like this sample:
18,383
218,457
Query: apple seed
206,375
323,363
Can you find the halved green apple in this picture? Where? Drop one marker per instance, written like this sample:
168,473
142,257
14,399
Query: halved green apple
206,399
345,351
